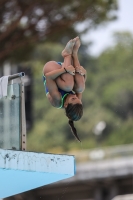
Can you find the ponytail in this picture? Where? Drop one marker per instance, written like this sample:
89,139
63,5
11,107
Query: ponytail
74,113
73,129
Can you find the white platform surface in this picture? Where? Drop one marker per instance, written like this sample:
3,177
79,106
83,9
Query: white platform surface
22,171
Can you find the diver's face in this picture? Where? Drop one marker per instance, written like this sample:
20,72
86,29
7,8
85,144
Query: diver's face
72,99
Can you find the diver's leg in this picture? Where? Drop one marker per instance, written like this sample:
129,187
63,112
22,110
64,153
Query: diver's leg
79,79
66,80
50,66
75,59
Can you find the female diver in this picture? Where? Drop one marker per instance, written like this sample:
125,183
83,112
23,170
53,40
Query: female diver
65,82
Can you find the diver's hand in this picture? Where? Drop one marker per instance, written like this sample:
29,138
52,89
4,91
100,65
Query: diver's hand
80,70
70,69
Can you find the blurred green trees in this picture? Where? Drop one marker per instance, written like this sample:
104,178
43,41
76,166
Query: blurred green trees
108,98
25,23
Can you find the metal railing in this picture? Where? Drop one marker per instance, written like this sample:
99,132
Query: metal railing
103,153
14,76
12,115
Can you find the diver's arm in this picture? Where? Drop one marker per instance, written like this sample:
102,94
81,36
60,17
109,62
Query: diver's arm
79,82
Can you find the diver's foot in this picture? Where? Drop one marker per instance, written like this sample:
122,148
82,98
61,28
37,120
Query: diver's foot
69,48
76,46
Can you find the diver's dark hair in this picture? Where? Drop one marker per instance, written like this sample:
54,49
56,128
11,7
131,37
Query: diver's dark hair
74,113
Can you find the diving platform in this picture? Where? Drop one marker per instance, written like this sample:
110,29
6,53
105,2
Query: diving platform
21,171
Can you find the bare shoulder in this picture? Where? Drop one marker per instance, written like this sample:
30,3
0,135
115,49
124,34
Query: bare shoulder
55,99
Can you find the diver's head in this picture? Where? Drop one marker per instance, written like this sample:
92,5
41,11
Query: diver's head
72,99
74,111
73,107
